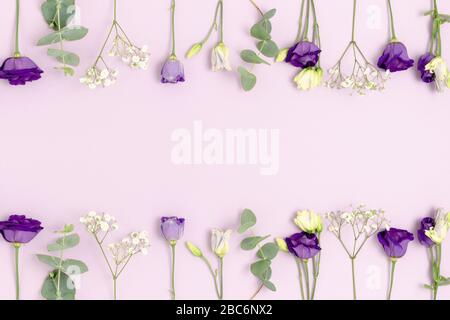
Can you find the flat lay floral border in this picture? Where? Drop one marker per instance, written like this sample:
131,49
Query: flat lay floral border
305,247
304,54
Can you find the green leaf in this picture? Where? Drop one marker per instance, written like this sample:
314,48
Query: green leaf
427,286
251,242
268,251
259,268
270,14
66,287
248,220
444,18
49,39
63,243
268,48
250,56
248,79
69,34
68,228
64,57
259,31
269,285
53,262
72,266
68,71
67,11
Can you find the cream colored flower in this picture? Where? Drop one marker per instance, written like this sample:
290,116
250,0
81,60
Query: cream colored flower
308,221
219,242
309,78
438,233
439,68
220,58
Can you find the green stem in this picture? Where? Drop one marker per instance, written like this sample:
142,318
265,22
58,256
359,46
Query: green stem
115,10
353,277
316,266
172,245
257,8
213,25
305,31
438,265
438,31
172,24
300,23
214,275
221,20
354,21
300,277
16,251
305,265
115,287
221,278
393,35
391,284
17,51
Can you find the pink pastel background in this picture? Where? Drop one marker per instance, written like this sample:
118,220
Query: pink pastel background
67,150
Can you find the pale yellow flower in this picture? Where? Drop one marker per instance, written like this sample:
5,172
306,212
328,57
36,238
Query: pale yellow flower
309,78
220,58
308,221
220,242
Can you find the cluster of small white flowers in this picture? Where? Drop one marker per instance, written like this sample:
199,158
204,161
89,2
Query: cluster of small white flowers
362,220
96,77
96,223
135,57
364,76
136,242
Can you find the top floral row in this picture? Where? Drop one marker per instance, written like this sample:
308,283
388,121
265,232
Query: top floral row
304,54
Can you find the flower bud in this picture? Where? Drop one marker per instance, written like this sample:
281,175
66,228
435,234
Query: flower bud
281,244
308,221
194,249
194,50
282,54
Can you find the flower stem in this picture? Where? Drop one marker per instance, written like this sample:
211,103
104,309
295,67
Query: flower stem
17,51
257,8
391,284
306,29
257,291
354,21
213,25
305,265
172,24
115,287
213,275
300,277
115,10
438,265
221,21
221,278
316,267
393,35
16,251
172,245
300,22
353,277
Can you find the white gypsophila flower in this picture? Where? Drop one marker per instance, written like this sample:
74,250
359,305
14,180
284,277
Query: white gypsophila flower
364,76
96,77
133,56
96,223
136,242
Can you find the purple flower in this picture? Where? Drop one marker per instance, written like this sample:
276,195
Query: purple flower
425,225
172,71
303,245
395,241
172,228
19,70
20,229
395,58
426,75
303,54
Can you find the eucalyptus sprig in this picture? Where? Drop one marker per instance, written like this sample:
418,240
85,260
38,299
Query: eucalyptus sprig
265,46
265,253
59,15
59,283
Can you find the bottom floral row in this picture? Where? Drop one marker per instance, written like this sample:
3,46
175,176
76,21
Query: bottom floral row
304,247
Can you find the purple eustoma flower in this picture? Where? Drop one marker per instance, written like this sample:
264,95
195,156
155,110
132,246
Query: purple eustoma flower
20,229
426,75
395,241
19,71
303,245
303,54
426,224
172,71
172,228
395,58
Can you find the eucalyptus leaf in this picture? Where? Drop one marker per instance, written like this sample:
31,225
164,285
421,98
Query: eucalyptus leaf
248,79
259,268
268,48
268,251
74,33
53,262
259,31
250,56
248,220
63,243
67,11
73,266
269,285
64,57
250,243
270,14
66,287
